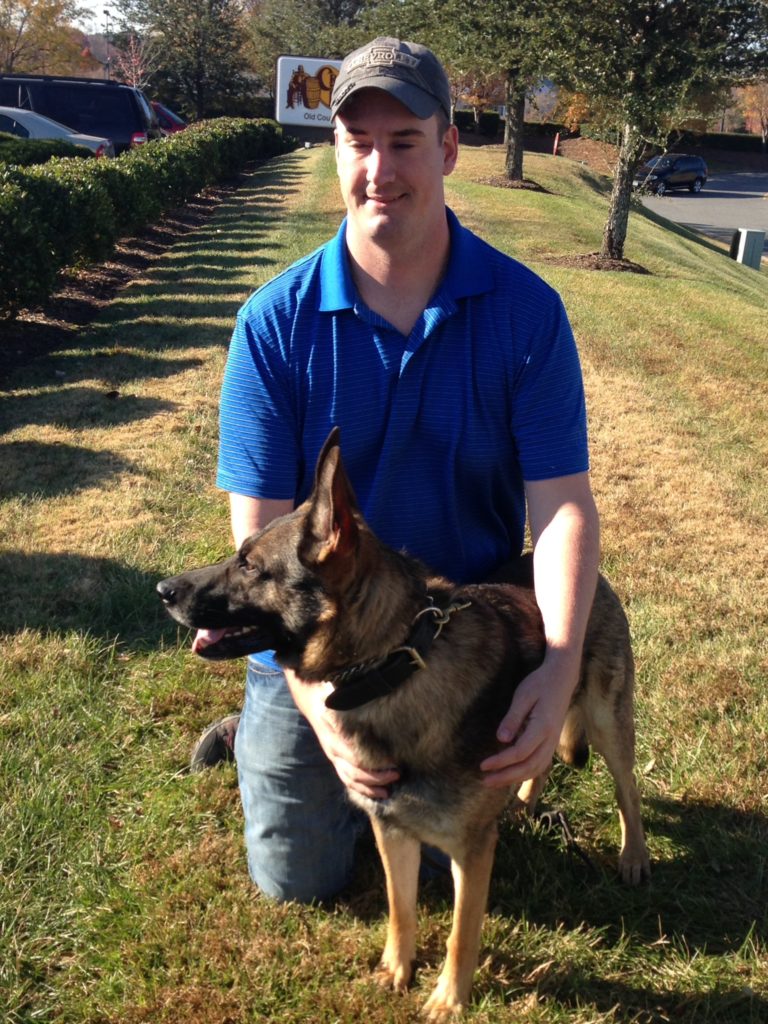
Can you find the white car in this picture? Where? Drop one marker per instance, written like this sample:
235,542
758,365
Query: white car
28,125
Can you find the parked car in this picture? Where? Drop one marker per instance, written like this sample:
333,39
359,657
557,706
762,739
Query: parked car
28,125
671,170
167,119
90,106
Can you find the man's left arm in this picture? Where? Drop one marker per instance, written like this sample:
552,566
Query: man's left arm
566,546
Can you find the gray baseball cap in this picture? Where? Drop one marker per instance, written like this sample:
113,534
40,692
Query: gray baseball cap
408,71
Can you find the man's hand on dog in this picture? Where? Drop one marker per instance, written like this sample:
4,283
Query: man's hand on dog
532,726
310,700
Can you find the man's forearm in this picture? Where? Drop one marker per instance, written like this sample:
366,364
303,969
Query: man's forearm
566,556
249,515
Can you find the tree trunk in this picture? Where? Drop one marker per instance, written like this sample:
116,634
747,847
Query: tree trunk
513,133
615,231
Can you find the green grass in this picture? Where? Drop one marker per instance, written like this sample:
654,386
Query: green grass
125,895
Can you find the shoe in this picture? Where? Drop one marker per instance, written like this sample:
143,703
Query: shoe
217,744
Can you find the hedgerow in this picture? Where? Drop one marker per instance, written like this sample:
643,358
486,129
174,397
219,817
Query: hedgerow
69,213
25,152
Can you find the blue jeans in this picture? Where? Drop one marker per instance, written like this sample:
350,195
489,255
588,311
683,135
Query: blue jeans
300,828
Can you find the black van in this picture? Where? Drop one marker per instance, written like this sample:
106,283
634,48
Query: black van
91,106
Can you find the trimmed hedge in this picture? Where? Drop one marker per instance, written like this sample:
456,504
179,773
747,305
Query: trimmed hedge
26,152
464,120
545,129
679,140
489,124
70,212
729,141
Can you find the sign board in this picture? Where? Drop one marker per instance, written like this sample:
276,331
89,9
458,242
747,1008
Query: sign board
303,90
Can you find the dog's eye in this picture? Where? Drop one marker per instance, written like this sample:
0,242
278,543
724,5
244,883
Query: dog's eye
264,575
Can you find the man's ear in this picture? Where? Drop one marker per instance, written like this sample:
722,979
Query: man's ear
330,529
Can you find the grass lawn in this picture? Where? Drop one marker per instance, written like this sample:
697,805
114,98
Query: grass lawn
125,895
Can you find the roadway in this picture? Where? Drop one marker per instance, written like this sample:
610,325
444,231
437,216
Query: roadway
728,201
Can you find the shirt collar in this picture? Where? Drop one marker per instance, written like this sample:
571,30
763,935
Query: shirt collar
467,273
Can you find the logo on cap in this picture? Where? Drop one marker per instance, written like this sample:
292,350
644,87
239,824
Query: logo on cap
384,56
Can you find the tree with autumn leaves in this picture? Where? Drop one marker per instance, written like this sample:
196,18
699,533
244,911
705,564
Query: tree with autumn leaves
754,103
38,36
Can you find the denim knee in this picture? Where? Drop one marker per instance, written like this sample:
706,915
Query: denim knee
300,828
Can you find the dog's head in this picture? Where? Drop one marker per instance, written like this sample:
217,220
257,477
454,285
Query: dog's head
284,581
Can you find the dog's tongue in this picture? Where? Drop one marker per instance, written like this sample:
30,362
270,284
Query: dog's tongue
206,637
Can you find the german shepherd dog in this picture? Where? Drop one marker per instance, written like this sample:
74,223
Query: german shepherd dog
423,672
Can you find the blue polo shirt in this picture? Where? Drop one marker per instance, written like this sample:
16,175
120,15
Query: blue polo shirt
438,429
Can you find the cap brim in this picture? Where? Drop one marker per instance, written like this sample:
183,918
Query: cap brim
419,102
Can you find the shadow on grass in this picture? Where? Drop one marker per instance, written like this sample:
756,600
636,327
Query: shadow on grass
709,898
35,469
240,232
575,987
112,366
103,597
676,229
711,892
78,408
168,312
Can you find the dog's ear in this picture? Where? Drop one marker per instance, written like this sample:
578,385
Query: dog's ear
330,529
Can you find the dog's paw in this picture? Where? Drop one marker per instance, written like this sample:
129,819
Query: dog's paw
443,1005
634,866
396,977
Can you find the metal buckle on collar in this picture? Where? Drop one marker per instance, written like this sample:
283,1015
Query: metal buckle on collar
442,615
416,659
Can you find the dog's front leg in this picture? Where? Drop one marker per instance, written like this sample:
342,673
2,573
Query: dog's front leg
471,879
400,855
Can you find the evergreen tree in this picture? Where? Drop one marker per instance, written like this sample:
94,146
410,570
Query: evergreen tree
201,49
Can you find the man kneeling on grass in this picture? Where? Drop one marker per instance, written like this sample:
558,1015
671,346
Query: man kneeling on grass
453,374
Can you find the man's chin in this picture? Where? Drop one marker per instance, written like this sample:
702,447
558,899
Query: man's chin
385,222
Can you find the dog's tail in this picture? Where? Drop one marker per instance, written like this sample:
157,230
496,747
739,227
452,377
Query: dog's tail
573,747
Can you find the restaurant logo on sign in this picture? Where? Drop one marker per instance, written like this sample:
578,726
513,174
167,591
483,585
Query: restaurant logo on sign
303,90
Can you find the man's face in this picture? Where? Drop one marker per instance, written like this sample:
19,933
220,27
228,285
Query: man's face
391,166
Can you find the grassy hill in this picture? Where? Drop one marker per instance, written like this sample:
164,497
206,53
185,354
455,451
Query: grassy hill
125,895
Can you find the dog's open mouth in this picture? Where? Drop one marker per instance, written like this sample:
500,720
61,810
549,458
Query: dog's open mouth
235,642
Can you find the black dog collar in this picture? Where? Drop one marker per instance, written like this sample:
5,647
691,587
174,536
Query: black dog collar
368,681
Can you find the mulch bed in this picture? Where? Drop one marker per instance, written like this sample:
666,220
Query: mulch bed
594,261
81,294
501,182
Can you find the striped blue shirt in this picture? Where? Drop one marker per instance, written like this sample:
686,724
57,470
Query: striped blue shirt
438,429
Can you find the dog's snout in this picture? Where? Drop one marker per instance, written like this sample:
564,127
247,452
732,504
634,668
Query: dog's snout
167,591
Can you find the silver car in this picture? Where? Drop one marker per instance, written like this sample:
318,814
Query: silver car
28,125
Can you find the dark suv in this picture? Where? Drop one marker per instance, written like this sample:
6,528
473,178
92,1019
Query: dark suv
671,170
90,106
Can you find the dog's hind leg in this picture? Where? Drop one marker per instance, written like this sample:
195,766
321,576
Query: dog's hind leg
572,747
471,878
528,795
611,732
400,855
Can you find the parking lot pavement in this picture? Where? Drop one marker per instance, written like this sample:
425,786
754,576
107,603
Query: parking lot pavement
727,202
